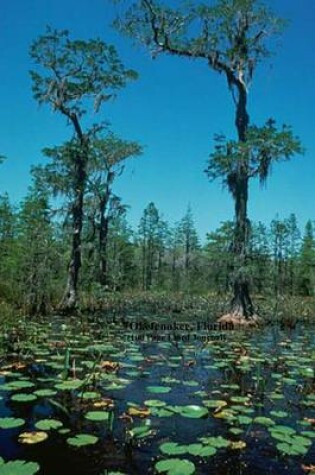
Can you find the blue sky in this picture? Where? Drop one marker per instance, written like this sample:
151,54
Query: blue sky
174,109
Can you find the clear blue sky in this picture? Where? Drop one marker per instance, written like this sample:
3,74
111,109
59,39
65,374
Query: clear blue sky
173,110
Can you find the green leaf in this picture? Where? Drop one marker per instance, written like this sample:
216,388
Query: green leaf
217,442
18,467
265,421
278,414
48,424
97,416
90,395
200,450
172,448
290,449
154,403
69,385
11,422
194,412
81,440
23,397
158,389
175,467
45,392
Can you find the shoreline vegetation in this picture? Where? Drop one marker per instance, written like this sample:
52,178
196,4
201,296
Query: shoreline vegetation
115,307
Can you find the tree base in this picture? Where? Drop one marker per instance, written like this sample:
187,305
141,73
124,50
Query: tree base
238,320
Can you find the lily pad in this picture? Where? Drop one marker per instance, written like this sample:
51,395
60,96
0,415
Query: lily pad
140,432
172,448
23,397
214,404
69,385
33,437
194,412
238,445
154,403
90,395
81,440
291,449
217,442
45,392
278,414
158,389
48,424
11,422
97,416
175,467
264,421
18,467
200,450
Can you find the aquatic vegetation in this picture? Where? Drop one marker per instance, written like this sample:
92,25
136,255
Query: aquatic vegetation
92,392
81,440
18,467
175,467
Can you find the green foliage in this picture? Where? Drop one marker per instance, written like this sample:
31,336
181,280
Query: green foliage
232,36
71,71
306,278
263,147
18,467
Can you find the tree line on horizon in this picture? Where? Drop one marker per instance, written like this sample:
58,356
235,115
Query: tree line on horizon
154,257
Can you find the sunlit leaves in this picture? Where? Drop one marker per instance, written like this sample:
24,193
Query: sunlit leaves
263,146
70,71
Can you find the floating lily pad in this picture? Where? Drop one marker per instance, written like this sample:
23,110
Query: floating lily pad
276,396
238,445
194,412
81,440
48,424
69,385
90,395
172,448
161,412
33,437
278,414
265,421
158,389
292,449
283,429
200,450
240,399
11,422
226,414
16,385
236,430
23,397
308,433
214,404
154,403
63,431
217,442
97,416
18,467
244,420
175,467
45,392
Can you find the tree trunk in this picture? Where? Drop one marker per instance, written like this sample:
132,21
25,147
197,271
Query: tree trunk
241,304
103,238
70,298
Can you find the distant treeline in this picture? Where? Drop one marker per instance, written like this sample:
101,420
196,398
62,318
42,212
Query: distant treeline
35,244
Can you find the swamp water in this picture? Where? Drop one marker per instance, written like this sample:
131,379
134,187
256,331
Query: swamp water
103,399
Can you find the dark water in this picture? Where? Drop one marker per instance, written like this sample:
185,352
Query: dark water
190,368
